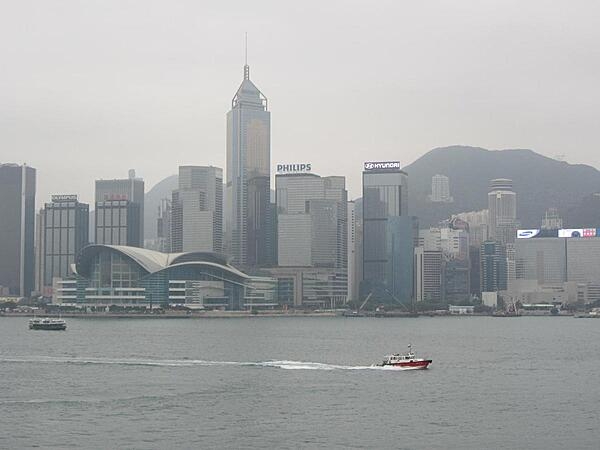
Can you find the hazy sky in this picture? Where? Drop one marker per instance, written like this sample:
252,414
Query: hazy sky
89,89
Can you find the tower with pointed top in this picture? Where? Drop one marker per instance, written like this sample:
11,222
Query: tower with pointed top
248,183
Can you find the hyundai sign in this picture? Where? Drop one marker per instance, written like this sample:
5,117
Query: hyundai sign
294,168
382,165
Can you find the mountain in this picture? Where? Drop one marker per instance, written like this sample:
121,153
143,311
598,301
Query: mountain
586,214
152,200
540,183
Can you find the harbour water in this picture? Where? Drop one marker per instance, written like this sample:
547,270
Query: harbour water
502,383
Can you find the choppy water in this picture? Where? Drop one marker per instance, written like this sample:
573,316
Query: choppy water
301,382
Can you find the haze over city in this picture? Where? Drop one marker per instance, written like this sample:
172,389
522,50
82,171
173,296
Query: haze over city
89,90
341,224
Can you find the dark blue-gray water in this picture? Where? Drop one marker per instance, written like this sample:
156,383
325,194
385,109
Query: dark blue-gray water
529,382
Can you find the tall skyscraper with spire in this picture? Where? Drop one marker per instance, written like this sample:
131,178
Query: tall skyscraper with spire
248,187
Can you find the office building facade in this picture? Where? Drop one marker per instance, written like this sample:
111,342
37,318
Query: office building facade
197,210
312,231
312,221
440,189
119,211
442,263
552,220
428,275
557,265
478,226
384,200
493,272
502,207
456,282
352,255
117,223
163,226
583,259
17,229
543,260
63,232
248,192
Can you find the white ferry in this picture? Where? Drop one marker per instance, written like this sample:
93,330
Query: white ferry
405,361
47,324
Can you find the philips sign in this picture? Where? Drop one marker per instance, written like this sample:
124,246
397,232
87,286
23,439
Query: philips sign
382,165
294,168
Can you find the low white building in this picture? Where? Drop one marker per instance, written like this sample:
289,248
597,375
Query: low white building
461,310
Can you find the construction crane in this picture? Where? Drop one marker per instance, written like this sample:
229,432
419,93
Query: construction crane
365,302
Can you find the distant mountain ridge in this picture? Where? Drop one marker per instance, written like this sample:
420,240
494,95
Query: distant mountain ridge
540,183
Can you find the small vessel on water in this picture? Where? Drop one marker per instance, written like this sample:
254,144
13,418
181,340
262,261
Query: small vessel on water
593,314
405,361
47,324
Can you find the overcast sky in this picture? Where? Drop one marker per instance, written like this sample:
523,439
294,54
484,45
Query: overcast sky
89,89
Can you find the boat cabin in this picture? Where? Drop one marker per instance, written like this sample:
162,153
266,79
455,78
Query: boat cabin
398,358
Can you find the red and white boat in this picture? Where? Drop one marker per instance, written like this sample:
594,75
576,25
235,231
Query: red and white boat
405,361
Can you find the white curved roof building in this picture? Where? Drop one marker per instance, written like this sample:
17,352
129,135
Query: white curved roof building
108,275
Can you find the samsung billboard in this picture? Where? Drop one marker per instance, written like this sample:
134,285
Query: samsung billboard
526,234
563,233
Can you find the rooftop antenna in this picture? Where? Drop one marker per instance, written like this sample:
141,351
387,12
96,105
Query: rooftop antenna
246,67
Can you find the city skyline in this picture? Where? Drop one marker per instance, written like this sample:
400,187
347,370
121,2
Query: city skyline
127,95
239,224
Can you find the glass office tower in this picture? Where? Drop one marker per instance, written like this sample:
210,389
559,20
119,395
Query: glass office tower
388,245
197,210
64,231
248,220
17,229
119,211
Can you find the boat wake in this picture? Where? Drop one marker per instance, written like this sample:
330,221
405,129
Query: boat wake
283,364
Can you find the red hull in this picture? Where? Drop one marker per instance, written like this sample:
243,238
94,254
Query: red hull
412,364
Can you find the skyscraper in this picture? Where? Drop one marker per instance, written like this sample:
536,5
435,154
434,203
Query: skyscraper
543,260
428,274
197,210
551,220
387,243
312,245
17,229
64,231
440,189
442,263
493,267
163,226
478,226
502,206
352,254
248,219
312,221
119,211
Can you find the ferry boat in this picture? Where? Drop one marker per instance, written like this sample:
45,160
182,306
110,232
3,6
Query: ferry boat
405,361
47,324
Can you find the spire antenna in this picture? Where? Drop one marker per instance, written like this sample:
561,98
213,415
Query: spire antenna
246,67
